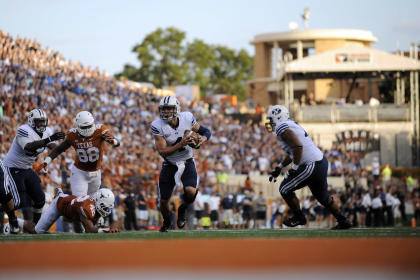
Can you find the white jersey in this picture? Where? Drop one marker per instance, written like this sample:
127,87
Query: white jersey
310,152
17,157
174,135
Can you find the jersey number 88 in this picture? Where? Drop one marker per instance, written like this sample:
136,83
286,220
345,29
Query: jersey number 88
89,155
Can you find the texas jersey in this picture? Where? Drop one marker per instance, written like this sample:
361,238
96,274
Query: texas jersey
89,150
17,157
310,152
175,135
68,207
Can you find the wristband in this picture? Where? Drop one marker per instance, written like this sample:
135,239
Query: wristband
115,142
295,166
47,160
280,165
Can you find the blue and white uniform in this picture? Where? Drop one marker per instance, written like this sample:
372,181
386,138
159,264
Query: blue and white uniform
17,157
17,166
310,152
4,185
313,167
179,167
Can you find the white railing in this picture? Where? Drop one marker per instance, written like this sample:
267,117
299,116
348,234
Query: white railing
352,113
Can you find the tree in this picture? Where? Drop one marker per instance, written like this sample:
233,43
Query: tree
166,60
161,59
199,57
232,70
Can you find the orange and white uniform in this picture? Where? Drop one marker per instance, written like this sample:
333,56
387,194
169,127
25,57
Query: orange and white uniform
67,206
86,171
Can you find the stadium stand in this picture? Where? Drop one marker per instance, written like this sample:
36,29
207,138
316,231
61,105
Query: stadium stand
35,76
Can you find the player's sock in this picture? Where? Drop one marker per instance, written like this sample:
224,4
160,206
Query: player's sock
20,222
12,218
181,216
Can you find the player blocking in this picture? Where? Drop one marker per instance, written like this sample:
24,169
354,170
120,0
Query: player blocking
308,167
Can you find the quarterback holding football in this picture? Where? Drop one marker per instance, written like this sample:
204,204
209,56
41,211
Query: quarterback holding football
176,133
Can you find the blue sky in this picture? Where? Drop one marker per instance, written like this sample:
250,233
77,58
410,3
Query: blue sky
102,33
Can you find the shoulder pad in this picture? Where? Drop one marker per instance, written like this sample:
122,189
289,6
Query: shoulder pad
281,127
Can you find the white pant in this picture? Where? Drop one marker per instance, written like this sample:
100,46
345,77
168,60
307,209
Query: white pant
84,182
50,215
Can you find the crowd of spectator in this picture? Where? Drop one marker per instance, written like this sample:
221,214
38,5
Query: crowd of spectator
32,76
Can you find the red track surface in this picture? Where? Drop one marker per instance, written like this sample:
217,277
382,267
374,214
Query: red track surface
390,253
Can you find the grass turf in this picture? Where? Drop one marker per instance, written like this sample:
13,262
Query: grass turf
252,233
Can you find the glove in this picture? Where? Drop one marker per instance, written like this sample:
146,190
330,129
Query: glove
292,171
57,136
275,174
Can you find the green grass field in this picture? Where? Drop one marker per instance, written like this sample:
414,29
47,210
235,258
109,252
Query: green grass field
254,233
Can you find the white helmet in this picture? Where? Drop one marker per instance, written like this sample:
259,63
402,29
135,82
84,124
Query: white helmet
276,114
38,120
104,201
169,102
85,123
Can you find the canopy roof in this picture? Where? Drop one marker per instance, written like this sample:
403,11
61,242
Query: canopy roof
349,60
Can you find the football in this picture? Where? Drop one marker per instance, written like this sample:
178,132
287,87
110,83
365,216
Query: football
196,139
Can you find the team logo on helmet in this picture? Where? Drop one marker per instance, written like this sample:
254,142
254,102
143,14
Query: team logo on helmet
276,114
38,120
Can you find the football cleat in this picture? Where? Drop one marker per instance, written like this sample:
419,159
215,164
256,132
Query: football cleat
295,221
346,224
181,216
9,229
6,229
165,227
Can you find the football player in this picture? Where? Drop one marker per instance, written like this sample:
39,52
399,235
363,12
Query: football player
85,209
23,185
309,167
87,140
178,166
6,199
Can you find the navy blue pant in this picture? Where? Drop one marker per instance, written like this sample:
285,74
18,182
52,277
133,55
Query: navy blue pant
25,188
5,195
167,178
313,175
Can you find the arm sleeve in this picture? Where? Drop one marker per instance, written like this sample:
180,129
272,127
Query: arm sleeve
204,131
107,133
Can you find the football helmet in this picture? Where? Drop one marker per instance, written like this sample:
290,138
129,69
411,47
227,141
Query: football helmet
276,114
85,123
38,120
169,102
104,201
